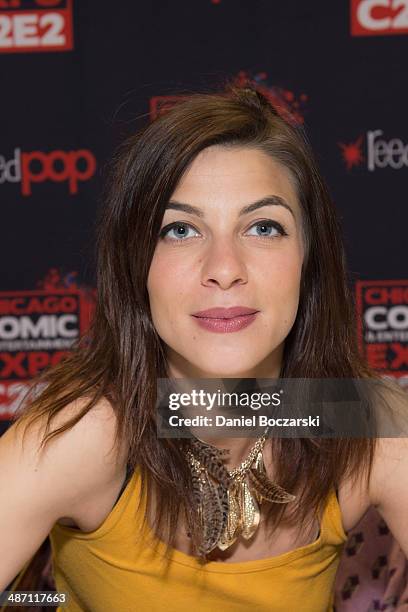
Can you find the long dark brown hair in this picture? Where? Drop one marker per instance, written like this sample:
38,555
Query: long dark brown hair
122,355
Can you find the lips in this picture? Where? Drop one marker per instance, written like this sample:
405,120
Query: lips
225,320
225,313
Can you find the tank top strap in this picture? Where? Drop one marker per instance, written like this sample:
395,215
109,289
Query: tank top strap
128,475
332,519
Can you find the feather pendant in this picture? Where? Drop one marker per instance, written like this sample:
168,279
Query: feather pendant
196,485
250,514
211,458
231,530
212,515
259,463
231,507
200,446
267,489
223,495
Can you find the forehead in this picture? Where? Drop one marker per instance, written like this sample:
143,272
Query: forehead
235,176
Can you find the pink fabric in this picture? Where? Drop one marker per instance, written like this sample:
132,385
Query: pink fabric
373,571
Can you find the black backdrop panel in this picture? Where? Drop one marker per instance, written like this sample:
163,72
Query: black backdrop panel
79,76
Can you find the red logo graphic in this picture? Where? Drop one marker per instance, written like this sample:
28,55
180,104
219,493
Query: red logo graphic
285,101
379,17
35,25
382,308
59,166
37,330
352,153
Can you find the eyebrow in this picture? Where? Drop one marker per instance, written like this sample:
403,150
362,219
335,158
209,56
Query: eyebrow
272,200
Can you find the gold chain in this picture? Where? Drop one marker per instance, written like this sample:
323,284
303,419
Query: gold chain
239,472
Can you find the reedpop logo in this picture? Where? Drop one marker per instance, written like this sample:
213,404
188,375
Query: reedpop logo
379,153
58,166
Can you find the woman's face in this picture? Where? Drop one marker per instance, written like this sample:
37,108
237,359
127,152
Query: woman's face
212,253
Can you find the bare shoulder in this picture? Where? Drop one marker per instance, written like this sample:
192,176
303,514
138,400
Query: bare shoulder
390,467
390,472
387,487
94,429
82,459
354,500
66,477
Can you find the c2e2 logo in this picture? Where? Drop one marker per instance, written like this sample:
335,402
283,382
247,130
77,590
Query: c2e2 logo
378,17
35,25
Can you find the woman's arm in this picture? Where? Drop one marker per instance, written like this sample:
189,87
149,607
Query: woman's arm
388,490
36,490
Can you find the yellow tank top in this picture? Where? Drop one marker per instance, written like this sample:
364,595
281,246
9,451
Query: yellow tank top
113,568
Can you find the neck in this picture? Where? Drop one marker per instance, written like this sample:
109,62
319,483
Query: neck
239,448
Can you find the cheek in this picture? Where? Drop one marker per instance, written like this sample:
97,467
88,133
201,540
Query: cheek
167,286
282,277
282,274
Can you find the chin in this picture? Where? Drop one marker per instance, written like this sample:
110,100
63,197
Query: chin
238,362
213,369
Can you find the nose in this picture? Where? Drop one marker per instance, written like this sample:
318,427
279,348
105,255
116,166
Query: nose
223,266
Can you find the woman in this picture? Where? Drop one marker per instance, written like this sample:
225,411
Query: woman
217,204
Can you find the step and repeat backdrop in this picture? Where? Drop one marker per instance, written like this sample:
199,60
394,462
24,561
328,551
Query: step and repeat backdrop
78,76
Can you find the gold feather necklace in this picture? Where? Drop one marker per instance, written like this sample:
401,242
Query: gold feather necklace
230,507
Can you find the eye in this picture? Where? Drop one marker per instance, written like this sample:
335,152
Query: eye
268,229
180,231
